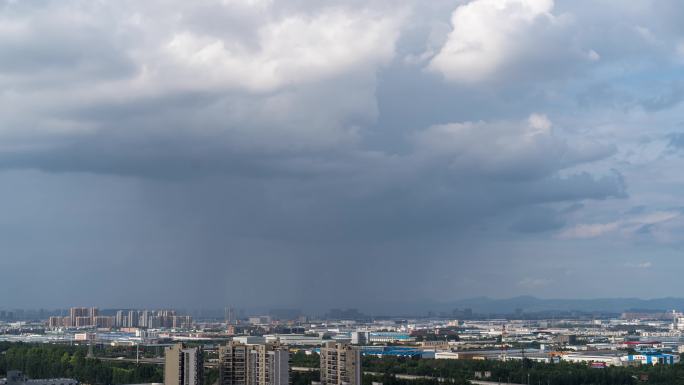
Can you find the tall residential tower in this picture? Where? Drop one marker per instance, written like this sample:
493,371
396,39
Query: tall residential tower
259,364
340,364
183,366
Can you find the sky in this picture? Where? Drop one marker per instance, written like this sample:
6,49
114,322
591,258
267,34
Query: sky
342,153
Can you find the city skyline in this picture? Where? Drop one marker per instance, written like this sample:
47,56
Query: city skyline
526,307
339,154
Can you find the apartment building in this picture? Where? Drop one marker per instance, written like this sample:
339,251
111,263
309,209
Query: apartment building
340,364
254,364
183,366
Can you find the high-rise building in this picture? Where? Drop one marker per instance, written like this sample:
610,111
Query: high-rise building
233,364
340,364
269,365
679,323
81,317
360,337
132,318
181,321
120,320
55,322
145,319
258,364
103,321
151,319
83,322
166,318
78,312
231,317
183,366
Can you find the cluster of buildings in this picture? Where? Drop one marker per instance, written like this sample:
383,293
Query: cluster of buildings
90,317
152,319
596,358
81,317
260,364
597,342
263,359
253,364
616,341
255,350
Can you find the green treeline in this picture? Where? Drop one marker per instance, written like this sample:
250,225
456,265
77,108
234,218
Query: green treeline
459,371
304,378
510,371
53,361
302,359
390,379
518,372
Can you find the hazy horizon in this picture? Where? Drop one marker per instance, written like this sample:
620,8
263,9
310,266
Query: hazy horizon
528,305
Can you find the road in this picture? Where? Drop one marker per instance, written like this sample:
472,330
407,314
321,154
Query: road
478,382
156,361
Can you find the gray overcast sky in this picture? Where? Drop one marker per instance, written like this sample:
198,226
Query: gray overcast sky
339,153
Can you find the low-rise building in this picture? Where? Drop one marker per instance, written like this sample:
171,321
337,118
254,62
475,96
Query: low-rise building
15,377
389,337
608,358
652,358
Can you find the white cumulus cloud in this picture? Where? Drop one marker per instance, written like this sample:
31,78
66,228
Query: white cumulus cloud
506,149
500,36
291,50
484,34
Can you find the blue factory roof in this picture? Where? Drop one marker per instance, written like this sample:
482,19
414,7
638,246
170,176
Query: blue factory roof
391,351
396,335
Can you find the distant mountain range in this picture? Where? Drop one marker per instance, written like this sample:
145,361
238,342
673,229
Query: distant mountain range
534,304
527,304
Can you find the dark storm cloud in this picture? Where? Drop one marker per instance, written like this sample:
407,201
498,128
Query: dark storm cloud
299,143
538,220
